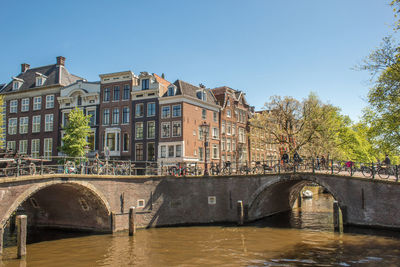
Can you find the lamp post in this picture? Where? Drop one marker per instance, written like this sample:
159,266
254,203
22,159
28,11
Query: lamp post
205,129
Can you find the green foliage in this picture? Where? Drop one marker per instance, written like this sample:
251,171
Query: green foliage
76,131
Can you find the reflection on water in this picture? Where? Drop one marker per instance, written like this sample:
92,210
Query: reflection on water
276,241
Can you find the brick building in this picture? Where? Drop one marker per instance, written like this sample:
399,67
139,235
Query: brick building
183,109
32,112
146,117
115,130
234,119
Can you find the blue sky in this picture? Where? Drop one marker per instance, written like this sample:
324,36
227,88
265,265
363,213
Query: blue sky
261,47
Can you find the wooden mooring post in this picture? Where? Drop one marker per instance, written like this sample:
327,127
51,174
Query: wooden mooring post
132,221
22,221
336,217
240,212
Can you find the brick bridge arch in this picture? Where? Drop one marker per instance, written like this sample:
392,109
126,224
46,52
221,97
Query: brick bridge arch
277,195
63,204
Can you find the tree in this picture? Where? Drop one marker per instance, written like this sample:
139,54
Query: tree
76,131
296,125
383,113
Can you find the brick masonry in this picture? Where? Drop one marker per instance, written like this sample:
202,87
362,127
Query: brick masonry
101,203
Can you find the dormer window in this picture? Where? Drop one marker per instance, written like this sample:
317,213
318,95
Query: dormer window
201,94
40,79
228,103
145,84
16,85
171,91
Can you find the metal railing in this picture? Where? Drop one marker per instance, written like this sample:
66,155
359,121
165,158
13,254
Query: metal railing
23,165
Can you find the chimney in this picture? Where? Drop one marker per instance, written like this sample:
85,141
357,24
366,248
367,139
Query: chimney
60,61
24,67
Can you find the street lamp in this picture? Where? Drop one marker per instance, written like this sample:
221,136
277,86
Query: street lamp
205,129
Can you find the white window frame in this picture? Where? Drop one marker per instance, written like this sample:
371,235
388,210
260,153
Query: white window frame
178,155
49,101
47,148
12,126
23,125
24,104
180,128
162,130
13,106
180,111
49,122
36,124
37,103
23,147
35,148
148,104
215,133
136,131
147,129
162,112
12,145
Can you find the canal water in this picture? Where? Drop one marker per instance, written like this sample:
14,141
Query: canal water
302,237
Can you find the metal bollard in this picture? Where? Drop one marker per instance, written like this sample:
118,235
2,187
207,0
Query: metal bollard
331,166
373,170
397,173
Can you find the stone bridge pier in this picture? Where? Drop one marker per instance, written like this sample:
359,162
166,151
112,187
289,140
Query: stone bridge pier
101,203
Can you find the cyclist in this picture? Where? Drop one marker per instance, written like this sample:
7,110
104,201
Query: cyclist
386,161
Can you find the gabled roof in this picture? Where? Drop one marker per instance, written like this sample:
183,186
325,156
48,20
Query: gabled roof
161,80
56,75
2,85
221,93
187,89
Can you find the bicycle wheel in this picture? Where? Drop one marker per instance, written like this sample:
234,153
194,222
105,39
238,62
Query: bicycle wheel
383,173
366,171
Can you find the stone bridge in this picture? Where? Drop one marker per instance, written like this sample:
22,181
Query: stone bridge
101,203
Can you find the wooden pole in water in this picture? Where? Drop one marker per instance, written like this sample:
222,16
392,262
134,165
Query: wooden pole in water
240,212
336,221
132,221
299,200
1,240
21,235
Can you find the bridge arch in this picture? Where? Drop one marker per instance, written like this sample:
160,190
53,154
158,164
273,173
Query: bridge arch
64,204
279,195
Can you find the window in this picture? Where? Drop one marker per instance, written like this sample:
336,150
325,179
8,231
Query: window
151,129
139,152
215,133
65,118
204,114
163,151
241,135
37,103
223,127
201,95
233,129
125,115
215,152
92,114
171,91
36,124
228,103
25,104
139,110
178,151
23,125
145,84
79,101
165,129
50,101
228,145
223,144
228,113
49,122
90,140
125,144
106,96
228,128
106,117
12,145
112,141
215,116
201,155
47,148
139,131
165,112
115,116
233,145
39,81
151,109
176,129
12,126
23,146
170,151
35,146
176,111
127,90
116,93
150,152
16,85
13,106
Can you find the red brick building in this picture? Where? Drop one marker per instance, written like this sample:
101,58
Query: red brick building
32,110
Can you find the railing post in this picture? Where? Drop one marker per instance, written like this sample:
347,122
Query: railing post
331,166
279,167
18,165
64,164
351,168
313,166
41,165
373,170
397,172
130,165
263,166
247,169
